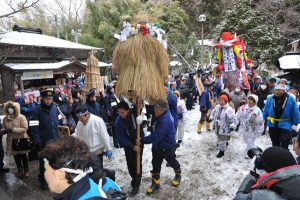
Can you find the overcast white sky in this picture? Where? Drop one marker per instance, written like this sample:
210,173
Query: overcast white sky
50,5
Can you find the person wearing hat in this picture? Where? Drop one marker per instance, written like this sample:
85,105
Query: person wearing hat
238,97
251,121
91,103
224,122
92,130
207,102
163,139
281,112
272,84
281,180
47,118
111,101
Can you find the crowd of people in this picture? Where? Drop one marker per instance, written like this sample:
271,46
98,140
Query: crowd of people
268,104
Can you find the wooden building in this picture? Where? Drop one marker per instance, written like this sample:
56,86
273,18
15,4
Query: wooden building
31,56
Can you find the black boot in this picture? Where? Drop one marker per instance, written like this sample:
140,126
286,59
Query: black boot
177,179
155,183
134,190
220,154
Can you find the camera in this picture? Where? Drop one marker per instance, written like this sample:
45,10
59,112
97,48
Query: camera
256,152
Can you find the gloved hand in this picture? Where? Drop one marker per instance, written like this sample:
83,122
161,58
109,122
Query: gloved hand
38,147
108,153
139,120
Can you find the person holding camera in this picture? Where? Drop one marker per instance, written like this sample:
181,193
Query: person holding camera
224,122
281,112
280,181
251,121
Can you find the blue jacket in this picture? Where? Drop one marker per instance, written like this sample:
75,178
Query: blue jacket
163,134
25,109
94,108
126,130
48,124
205,100
85,188
290,112
172,100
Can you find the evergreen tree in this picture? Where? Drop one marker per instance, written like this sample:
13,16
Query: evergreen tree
264,41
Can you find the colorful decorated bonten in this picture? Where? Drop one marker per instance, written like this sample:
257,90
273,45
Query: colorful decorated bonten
233,61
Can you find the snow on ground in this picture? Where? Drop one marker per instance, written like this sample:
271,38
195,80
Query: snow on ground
203,175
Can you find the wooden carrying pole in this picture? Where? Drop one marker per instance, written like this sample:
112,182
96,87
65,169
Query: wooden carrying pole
138,139
141,63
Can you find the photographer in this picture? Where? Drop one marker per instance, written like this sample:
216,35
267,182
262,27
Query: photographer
280,182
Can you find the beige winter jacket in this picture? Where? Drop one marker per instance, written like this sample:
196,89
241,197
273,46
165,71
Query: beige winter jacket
18,123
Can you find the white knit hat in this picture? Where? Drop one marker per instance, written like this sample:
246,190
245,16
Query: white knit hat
255,97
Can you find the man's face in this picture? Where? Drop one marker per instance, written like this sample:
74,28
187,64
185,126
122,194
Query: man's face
257,80
157,112
282,82
272,84
123,113
47,100
279,92
93,99
83,118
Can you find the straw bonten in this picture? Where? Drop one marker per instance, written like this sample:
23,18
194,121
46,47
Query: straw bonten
141,63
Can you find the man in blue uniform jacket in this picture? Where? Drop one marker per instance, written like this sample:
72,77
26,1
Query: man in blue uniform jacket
48,118
163,139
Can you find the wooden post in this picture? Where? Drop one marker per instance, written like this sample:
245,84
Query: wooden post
138,139
22,86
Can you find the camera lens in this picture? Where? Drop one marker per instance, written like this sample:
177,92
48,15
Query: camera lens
254,152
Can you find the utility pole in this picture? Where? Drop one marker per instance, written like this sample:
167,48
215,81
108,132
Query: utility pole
202,19
56,25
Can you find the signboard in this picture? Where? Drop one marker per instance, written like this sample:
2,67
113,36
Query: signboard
37,75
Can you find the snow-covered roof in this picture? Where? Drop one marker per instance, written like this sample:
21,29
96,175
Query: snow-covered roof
289,62
207,42
46,66
294,41
101,64
34,39
37,66
175,63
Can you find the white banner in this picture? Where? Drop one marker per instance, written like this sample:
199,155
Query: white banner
37,75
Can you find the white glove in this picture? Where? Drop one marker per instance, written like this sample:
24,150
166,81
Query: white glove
140,119
147,133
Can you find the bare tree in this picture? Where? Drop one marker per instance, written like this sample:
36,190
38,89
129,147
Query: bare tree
18,8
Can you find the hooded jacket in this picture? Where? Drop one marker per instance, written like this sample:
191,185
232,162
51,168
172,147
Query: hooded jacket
279,185
18,123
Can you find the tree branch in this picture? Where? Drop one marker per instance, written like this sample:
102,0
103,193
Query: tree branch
23,7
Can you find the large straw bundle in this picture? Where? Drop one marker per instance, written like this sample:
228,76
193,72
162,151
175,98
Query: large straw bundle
92,75
141,63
